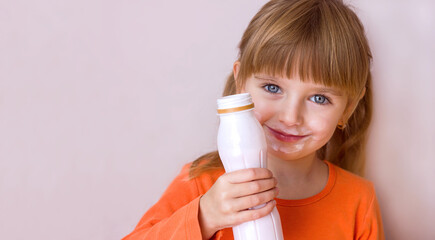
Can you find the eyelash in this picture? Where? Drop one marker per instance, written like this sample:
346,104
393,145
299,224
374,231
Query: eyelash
266,86
327,101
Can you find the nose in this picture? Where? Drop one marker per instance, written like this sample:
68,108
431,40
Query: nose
291,113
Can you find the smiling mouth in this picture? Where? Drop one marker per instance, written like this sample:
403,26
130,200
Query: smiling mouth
285,137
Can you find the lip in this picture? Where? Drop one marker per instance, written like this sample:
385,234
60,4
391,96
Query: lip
285,137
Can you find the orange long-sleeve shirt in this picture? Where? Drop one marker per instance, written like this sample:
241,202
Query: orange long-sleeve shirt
346,208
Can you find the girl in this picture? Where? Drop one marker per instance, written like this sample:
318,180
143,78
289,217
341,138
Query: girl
306,64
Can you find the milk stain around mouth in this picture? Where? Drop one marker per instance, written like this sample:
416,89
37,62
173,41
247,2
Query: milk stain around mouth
286,148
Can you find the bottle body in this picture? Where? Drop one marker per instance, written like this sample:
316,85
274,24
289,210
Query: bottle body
242,144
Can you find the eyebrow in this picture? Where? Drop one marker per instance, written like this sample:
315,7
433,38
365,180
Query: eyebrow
329,90
265,78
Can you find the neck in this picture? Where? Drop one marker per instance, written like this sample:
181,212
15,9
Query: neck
298,169
298,178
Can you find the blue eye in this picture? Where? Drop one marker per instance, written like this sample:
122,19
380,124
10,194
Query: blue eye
272,88
320,99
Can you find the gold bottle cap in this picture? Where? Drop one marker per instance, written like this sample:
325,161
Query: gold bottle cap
236,109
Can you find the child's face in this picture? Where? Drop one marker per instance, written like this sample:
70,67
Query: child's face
298,117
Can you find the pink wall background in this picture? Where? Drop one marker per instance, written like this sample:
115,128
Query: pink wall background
102,102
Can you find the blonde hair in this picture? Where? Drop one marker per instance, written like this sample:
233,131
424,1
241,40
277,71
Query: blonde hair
318,40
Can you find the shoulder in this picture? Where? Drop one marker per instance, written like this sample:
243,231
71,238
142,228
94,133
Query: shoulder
358,195
356,198
354,192
352,184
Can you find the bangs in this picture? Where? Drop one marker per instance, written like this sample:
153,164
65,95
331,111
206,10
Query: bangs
318,45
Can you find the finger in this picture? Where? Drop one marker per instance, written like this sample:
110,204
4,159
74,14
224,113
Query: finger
253,187
250,174
253,214
250,201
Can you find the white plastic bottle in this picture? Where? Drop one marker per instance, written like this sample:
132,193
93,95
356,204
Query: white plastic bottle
242,144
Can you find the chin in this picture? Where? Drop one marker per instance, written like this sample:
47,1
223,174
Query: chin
284,155
290,153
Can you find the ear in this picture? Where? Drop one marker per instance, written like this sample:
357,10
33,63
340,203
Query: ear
352,106
236,69
363,92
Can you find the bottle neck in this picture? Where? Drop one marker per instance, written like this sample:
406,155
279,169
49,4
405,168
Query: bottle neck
234,103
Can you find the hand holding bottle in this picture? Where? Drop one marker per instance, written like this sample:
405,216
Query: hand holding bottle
230,199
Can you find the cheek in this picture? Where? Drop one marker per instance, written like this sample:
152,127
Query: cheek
263,111
322,127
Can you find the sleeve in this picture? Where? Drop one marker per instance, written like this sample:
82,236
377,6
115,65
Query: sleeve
372,228
175,215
